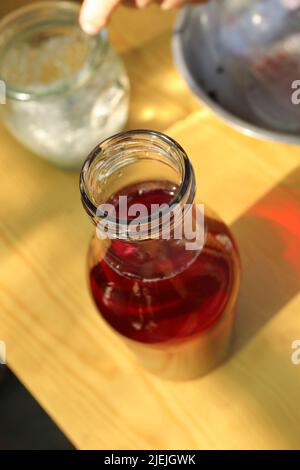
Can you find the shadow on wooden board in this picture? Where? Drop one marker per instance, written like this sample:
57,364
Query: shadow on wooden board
268,235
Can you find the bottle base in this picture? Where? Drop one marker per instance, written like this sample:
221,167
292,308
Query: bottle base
190,359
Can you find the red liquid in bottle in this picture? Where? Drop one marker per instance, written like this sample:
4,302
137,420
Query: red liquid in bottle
163,304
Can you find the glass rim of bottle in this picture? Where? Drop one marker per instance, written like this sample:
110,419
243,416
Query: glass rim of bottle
33,15
185,193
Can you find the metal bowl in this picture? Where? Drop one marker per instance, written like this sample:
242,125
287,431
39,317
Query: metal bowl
218,80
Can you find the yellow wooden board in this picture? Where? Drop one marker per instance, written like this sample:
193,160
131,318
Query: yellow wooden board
159,96
79,370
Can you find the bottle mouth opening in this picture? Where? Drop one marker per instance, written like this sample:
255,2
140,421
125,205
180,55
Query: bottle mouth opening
44,52
138,152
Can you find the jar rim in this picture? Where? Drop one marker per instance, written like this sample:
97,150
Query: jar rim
185,192
61,86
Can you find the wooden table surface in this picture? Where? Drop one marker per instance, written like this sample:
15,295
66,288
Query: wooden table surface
57,344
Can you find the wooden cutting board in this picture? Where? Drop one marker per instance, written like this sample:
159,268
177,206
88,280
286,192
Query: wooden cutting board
76,367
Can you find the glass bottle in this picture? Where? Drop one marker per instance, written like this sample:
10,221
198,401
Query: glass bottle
65,90
170,293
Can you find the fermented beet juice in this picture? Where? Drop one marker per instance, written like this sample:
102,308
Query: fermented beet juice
169,290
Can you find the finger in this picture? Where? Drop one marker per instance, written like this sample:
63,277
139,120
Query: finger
169,4
142,3
94,14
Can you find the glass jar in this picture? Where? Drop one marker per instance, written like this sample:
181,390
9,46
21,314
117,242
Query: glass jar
65,90
168,288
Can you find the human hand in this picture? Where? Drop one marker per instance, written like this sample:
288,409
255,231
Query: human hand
95,14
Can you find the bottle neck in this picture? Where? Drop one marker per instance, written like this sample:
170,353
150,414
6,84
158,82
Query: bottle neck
138,188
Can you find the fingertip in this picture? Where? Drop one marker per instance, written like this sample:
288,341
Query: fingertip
166,5
91,18
142,3
89,28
